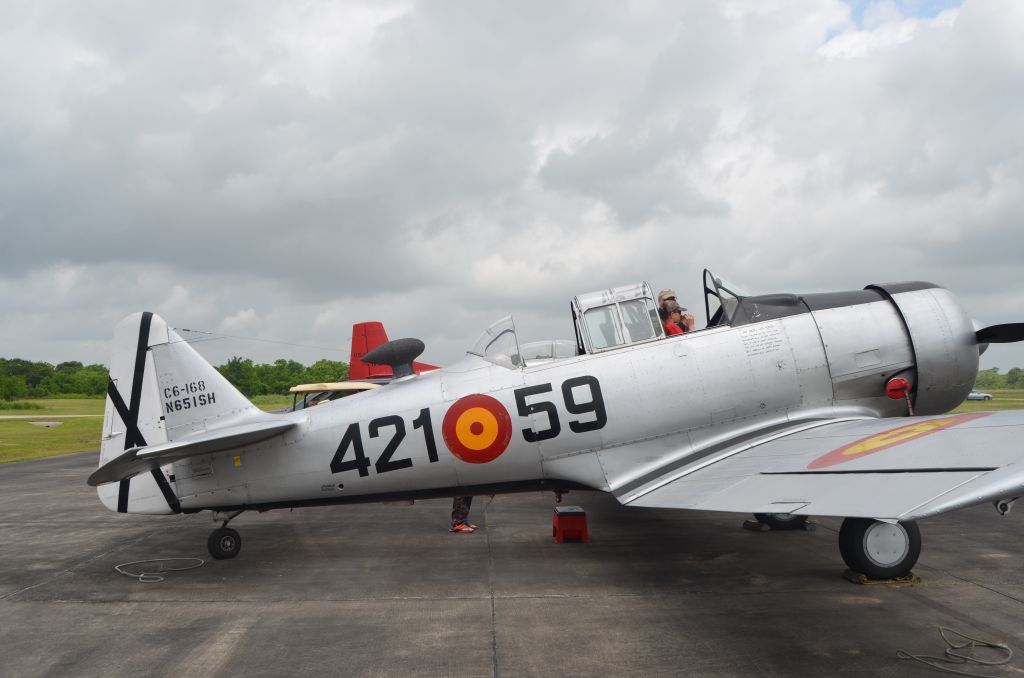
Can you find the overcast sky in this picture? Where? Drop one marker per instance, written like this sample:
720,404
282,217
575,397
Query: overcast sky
282,170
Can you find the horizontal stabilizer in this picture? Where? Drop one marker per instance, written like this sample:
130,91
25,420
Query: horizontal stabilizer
137,460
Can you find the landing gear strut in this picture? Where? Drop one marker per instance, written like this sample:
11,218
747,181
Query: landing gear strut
782,521
879,550
225,542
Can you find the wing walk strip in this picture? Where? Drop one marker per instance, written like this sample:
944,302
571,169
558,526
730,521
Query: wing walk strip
130,416
664,475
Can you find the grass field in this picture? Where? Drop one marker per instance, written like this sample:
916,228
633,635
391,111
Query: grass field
80,429
272,402
1001,400
82,423
20,440
56,406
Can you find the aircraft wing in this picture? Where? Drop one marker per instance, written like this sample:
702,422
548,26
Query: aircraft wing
888,469
137,460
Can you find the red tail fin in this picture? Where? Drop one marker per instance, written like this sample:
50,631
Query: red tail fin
367,336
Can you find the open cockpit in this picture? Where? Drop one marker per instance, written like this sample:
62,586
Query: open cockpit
606,320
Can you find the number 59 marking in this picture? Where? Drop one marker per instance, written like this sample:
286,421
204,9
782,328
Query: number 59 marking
594,406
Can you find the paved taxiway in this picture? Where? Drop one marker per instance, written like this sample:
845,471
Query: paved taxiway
374,590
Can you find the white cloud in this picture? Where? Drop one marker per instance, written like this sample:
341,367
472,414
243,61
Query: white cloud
888,29
241,321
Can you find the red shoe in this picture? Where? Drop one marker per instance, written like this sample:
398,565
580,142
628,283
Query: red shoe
462,527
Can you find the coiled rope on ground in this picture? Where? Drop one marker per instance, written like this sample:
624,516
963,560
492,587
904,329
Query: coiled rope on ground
152,576
952,656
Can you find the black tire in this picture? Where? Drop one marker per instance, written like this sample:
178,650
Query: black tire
987,398
781,521
879,550
224,543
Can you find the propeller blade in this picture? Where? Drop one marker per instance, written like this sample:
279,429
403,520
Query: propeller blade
1001,334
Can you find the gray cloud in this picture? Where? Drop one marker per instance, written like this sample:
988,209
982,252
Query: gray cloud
282,171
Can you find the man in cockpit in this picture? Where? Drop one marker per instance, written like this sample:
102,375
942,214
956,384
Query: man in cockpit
685,321
672,318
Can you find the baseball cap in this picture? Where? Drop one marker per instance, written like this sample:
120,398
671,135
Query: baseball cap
666,293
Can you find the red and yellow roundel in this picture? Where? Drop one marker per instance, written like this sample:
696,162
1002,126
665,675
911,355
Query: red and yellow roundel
477,429
887,439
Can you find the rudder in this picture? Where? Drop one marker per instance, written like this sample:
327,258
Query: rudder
132,416
160,390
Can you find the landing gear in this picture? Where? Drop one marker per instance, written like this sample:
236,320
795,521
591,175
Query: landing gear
782,521
879,550
225,542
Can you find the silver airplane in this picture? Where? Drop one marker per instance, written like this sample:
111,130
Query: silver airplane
784,406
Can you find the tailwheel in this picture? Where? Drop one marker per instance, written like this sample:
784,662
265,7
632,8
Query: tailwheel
781,521
224,543
879,550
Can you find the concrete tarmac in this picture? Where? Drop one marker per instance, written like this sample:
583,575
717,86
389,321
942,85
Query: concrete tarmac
386,590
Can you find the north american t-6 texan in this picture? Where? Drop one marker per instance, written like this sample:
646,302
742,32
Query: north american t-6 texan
784,406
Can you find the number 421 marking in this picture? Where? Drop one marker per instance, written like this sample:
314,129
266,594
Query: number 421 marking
384,462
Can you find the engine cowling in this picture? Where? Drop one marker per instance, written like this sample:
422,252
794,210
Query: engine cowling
943,341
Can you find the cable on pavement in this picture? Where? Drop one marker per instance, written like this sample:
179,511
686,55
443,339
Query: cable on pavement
952,656
153,576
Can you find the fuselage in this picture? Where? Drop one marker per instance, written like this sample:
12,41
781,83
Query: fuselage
603,420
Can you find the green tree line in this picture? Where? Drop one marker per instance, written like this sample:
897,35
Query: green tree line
26,379
266,379
990,378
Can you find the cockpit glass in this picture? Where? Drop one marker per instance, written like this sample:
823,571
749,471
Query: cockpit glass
729,288
729,302
498,344
637,316
721,299
603,327
552,349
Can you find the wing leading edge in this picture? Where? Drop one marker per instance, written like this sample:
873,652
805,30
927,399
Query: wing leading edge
888,469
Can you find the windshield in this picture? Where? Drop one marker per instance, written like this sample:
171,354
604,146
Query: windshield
720,299
498,344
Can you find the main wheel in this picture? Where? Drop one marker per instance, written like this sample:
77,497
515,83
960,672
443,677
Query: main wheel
879,550
224,543
782,521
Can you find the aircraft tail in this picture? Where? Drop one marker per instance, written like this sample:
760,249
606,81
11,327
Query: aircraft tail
160,390
367,336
